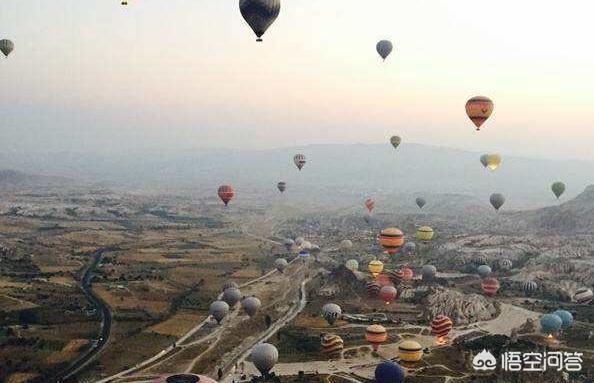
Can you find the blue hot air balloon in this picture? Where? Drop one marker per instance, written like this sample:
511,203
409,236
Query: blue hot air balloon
389,372
550,324
565,316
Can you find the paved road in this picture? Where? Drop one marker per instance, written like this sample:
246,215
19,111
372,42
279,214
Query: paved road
86,358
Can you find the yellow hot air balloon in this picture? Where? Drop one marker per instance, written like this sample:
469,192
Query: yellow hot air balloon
425,233
410,351
375,267
493,161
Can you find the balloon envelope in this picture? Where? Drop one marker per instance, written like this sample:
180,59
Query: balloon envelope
479,109
497,200
558,188
259,14
395,141
384,48
299,160
550,324
566,317
226,193
420,201
6,47
389,372
264,356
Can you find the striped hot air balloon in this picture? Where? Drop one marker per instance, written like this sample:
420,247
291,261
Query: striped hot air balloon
376,334
402,275
583,295
299,160
373,289
490,286
226,193
369,204
331,345
388,294
506,264
441,326
375,267
529,287
391,239
410,351
479,109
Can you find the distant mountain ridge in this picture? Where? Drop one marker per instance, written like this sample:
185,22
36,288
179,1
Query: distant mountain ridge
15,178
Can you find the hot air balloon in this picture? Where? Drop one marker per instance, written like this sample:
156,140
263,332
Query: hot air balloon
420,201
251,305
484,160
6,47
299,160
497,200
492,161
479,109
218,310
264,356
490,286
124,2
409,249
384,48
484,271
391,239
281,264
376,334
441,326
402,275
505,264
352,265
410,351
395,141
184,378
346,244
425,233
332,345
259,14
369,204
375,267
331,312
529,287
373,289
389,372
232,296
550,324
281,186
566,318
558,188
583,295
229,285
226,193
428,273
388,294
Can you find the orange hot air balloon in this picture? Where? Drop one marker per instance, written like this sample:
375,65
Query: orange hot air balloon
388,294
226,193
479,109
490,286
441,326
376,334
369,204
391,239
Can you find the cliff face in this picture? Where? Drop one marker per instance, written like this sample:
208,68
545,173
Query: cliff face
461,308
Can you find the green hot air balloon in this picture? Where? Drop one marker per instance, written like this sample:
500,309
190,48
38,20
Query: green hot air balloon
384,48
558,188
259,14
497,200
395,141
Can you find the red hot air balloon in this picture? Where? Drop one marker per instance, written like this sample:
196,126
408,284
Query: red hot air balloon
388,294
490,286
441,326
369,204
226,193
479,109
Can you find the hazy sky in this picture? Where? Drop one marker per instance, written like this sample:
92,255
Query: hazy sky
92,75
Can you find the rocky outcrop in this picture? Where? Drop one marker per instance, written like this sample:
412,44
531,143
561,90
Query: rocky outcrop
461,308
